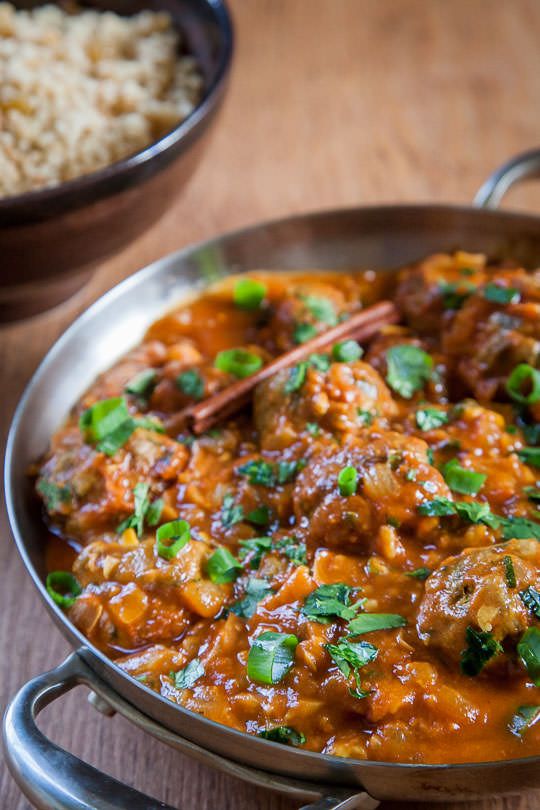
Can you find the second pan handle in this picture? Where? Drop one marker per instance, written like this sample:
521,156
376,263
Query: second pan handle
525,166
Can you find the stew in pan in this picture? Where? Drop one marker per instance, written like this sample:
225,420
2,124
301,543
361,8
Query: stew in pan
347,557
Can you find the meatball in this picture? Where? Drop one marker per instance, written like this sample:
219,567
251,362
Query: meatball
309,308
487,339
342,399
430,291
474,589
93,492
394,477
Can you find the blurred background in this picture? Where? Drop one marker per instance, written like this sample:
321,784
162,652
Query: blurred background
331,103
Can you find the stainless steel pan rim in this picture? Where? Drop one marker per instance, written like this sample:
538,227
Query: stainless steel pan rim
398,217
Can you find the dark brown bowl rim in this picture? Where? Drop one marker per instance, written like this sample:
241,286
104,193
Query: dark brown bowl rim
122,168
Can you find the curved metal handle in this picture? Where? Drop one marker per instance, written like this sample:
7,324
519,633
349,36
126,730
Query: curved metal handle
51,777
48,775
525,166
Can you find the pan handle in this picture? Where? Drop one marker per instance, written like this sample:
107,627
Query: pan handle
525,166
51,777
48,775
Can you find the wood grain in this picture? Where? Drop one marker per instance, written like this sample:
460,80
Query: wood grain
332,102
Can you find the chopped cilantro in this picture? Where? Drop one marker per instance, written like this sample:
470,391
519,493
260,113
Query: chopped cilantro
187,677
330,602
409,368
260,516
322,309
530,455
191,384
293,549
313,428
430,418
231,513
529,652
142,384
501,295
53,494
284,735
481,648
258,472
256,547
509,572
419,573
256,590
303,332
531,599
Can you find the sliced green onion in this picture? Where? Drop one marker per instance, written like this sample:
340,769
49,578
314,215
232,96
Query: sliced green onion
63,588
108,424
529,652
303,332
409,369
191,384
524,718
321,362
370,622
523,384
347,351
297,377
530,455
238,362
501,295
347,481
462,480
248,293
222,566
179,532
142,384
271,657
532,493
284,735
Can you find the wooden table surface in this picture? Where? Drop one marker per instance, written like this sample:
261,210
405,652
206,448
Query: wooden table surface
332,102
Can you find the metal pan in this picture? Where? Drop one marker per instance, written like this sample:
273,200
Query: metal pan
382,237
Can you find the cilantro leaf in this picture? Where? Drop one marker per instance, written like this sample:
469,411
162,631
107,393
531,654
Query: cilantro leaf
531,599
284,735
430,418
409,369
231,513
255,546
187,677
256,590
330,602
53,494
481,648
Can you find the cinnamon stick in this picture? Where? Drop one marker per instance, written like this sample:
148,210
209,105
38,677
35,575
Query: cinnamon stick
360,326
